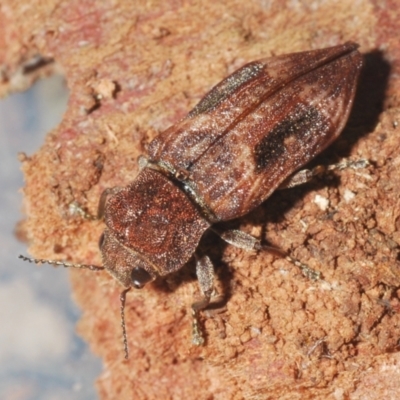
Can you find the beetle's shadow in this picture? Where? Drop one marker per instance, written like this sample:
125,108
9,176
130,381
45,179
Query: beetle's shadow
368,104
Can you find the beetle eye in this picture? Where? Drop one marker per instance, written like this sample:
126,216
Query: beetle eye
140,277
101,241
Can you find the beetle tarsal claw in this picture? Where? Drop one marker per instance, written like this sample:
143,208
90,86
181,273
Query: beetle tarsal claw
75,208
197,334
308,272
353,164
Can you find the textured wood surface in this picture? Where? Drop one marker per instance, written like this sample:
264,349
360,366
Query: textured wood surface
132,71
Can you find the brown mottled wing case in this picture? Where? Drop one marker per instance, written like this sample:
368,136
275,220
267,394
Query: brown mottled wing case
260,124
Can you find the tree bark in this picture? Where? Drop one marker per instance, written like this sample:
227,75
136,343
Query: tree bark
134,69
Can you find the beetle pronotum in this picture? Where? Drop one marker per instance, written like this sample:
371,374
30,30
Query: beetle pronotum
245,138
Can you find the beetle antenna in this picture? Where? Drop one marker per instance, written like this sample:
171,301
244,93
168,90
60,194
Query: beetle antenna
61,263
122,299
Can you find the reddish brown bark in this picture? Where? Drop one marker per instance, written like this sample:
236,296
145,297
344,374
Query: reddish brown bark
133,71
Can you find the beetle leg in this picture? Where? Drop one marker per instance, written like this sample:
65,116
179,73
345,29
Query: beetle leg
76,209
103,200
301,177
238,239
205,276
245,241
306,175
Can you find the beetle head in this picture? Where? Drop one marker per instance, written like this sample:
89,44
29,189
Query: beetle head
126,265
